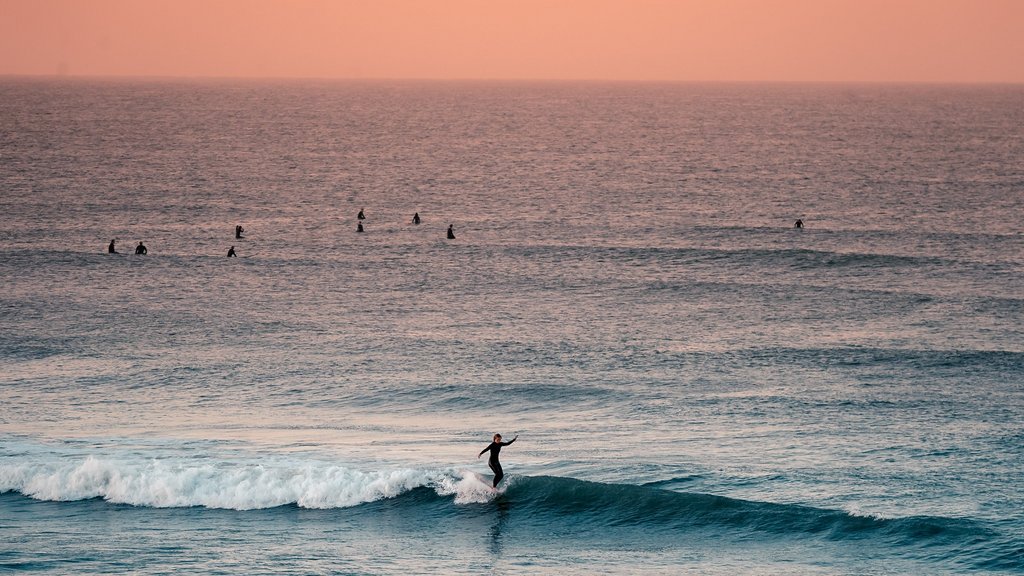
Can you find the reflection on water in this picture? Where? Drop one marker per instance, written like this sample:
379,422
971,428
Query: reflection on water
501,514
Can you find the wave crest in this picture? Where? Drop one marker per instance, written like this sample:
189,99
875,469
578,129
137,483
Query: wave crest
164,483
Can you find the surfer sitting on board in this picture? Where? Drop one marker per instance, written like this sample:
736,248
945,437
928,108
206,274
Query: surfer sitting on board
495,448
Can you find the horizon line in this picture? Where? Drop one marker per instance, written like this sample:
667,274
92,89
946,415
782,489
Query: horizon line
159,77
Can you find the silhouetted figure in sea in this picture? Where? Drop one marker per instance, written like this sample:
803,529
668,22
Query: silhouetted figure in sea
451,234
359,227
361,216
799,224
495,449
110,248
416,218
238,232
231,252
141,249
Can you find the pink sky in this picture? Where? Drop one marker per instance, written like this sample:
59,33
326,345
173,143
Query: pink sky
701,40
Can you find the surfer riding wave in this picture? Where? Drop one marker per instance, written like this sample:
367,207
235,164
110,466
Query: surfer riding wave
495,448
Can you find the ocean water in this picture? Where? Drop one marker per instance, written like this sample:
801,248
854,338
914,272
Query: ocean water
698,387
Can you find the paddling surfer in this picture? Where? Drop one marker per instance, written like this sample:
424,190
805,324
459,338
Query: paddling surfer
495,448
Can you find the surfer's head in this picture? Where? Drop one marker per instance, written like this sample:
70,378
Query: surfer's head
497,437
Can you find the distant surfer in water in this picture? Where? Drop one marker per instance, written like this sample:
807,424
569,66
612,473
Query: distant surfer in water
359,227
798,224
361,216
110,249
495,448
416,218
141,249
231,252
238,231
451,236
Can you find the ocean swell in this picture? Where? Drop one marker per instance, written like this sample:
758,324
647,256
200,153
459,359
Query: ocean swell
547,503
248,485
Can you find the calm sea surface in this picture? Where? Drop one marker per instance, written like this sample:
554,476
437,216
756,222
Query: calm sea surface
698,387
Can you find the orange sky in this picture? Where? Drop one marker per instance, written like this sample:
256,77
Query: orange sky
747,40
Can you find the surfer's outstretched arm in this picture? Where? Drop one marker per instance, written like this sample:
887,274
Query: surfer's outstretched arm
491,445
509,442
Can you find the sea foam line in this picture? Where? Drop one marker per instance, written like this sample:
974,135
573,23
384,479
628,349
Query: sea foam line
233,485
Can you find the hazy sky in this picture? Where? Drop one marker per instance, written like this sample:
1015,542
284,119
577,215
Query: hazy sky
801,40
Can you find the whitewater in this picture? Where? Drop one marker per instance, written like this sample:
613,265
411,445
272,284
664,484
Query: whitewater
697,385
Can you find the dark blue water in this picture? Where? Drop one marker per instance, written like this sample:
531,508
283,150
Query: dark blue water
698,387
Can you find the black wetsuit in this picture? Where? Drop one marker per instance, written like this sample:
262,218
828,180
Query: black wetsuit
495,448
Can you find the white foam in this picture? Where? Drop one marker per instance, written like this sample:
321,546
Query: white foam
180,482
469,488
